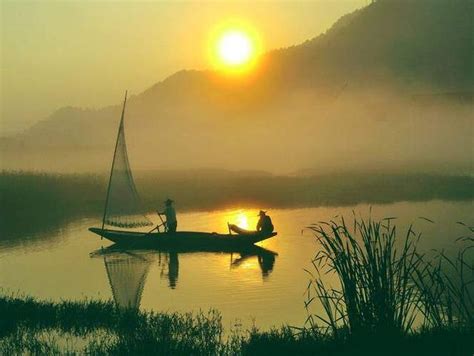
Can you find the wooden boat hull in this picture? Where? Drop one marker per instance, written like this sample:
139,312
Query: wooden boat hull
180,239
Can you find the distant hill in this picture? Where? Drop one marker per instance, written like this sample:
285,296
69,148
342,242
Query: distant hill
415,45
348,98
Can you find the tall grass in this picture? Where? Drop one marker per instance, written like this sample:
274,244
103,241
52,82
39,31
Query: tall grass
376,292
385,285
447,286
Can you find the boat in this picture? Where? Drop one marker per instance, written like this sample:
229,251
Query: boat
187,239
241,231
123,209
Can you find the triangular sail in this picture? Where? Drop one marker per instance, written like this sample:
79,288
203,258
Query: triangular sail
123,207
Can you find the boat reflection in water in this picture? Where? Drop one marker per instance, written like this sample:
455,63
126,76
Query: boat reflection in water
265,258
127,269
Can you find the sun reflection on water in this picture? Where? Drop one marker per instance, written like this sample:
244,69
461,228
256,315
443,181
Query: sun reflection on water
246,219
253,264
242,220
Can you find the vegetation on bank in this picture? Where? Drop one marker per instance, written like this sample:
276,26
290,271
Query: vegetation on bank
384,284
389,299
96,327
32,202
100,327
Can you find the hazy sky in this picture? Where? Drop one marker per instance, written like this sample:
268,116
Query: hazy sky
86,53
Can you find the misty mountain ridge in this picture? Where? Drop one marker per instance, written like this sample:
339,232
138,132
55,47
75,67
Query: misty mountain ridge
345,99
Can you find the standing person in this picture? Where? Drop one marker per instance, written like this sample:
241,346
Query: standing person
264,224
170,214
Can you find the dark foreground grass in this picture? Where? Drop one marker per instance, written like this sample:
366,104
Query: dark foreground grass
386,292
96,327
440,342
99,328
32,326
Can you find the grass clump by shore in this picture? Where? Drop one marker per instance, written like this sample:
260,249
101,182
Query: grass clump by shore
386,291
376,291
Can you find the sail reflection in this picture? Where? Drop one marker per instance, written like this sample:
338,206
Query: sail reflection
127,269
127,274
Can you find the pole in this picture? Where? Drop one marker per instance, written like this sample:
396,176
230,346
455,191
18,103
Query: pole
113,160
163,223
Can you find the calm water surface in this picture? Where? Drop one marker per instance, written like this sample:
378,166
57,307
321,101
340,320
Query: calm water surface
266,285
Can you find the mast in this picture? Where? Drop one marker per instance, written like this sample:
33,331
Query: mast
113,160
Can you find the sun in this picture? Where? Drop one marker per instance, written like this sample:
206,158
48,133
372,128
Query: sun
235,48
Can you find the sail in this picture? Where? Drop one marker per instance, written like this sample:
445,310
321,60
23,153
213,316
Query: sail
127,274
123,207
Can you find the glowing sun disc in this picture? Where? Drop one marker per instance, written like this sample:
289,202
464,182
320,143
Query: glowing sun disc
234,48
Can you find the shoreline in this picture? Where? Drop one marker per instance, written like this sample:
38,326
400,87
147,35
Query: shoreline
34,326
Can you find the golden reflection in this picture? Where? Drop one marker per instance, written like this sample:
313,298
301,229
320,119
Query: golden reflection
250,265
259,259
246,219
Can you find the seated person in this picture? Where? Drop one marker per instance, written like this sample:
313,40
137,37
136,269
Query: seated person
264,224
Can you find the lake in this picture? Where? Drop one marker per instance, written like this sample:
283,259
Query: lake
265,285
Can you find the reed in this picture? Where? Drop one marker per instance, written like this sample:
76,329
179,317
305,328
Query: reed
376,293
384,284
447,289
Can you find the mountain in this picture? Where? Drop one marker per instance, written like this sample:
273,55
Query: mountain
388,86
413,44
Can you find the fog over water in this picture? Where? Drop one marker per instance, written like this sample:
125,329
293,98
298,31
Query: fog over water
350,131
